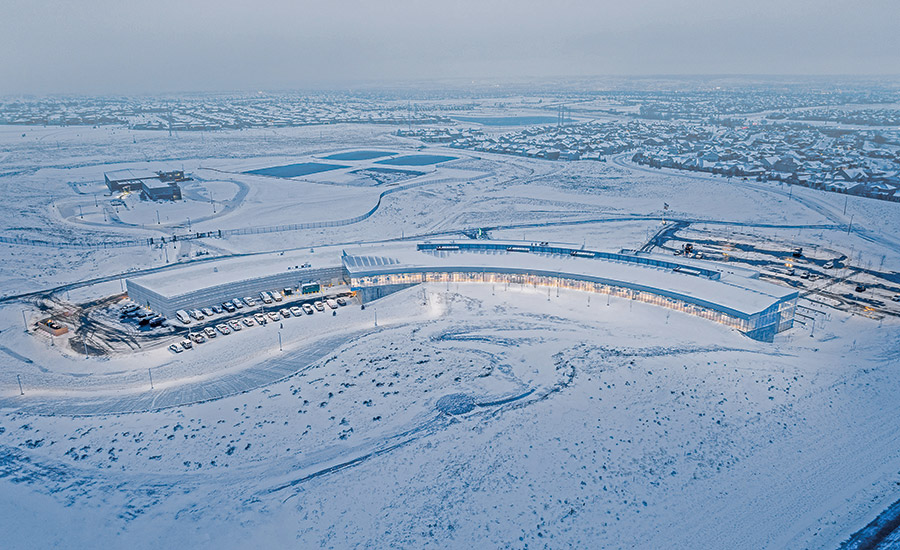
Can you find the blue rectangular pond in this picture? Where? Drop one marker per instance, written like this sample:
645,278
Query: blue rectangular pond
294,170
359,155
415,160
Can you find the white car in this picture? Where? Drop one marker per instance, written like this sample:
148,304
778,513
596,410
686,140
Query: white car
198,337
273,315
308,309
237,303
209,332
223,328
260,318
341,302
248,321
296,311
275,295
208,311
331,303
319,306
249,301
183,316
187,344
175,348
264,296
235,325
197,314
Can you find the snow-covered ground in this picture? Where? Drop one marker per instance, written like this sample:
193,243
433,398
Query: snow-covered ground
471,415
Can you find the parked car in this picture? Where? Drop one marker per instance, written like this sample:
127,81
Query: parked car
209,332
157,321
341,301
308,309
175,348
248,321
229,307
197,314
319,306
275,295
804,275
187,344
183,316
208,311
285,313
260,318
198,338
249,301
223,328
273,315
235,325
237,303
896,298
860,288
296,311
218,309
332,304
264,296
829,264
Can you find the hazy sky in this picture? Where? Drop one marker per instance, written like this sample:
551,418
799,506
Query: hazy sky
127,46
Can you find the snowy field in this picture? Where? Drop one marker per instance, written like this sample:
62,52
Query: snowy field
471,415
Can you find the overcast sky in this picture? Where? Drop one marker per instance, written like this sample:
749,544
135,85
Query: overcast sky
127,46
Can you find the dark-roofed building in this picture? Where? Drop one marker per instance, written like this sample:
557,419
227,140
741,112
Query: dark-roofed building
127,179
155,190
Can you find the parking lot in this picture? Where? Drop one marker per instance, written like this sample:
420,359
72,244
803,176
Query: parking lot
115,324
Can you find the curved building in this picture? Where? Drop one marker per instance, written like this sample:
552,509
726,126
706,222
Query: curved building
731,296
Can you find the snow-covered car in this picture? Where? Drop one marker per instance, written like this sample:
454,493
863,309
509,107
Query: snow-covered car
273,315
260,318
296,311
187,344
209,332
175,348
248,321
223,328
235,325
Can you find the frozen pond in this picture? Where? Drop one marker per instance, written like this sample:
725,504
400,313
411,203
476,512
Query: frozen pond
416,160
294,170
359,155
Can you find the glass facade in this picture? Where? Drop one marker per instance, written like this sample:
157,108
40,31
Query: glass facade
760,326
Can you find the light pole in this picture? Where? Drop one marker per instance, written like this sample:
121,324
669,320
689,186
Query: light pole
850,227
19,380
